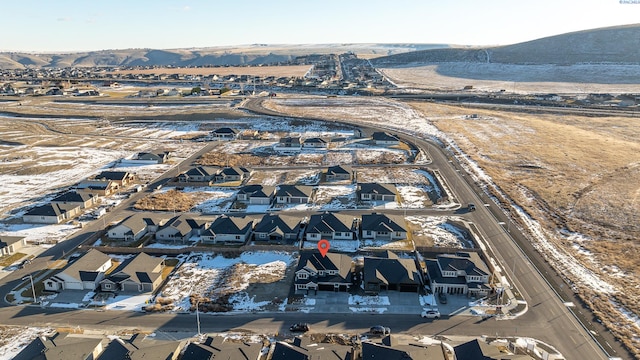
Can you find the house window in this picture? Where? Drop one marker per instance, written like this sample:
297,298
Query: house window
263,235
107,286
237,237
398,233
303,276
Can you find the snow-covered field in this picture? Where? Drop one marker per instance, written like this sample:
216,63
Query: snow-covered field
440,230
211,275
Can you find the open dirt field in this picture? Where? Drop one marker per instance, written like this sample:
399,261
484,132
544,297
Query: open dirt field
263,71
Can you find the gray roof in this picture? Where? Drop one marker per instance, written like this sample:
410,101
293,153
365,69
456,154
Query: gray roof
396,351
477,350
375,188
294,191
89,262
339,169
391,271
271,222
139,269
139,221
113,175
61,346
382,223
219,348
183,224
330,223
230,225
224,130
50,210
465,261
331,261
260,191
6,240
290,140
72,197
233,171
202,171
94,184
139,347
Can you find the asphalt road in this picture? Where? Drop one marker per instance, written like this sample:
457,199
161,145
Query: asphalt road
548,319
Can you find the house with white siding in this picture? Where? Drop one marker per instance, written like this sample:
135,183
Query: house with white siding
82,274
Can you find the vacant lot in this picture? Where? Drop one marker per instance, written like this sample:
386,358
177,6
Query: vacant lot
578,176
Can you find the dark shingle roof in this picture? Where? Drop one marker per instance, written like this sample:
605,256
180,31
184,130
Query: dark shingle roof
375,188
294,190
384,136
382,222
113,175
391,271
339,169
73,197
257,190
230,225
270,222
330,222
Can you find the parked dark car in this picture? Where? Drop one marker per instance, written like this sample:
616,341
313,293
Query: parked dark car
379,330
299,327
442,297
471,207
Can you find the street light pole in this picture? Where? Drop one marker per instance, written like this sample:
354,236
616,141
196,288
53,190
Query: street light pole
198,315
33,289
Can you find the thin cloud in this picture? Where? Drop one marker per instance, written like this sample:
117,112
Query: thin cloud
65,19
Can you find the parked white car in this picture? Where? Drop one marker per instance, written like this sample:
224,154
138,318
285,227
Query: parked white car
431,314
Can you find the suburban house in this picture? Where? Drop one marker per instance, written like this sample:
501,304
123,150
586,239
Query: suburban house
325,273
83,200
227,174
220,348
142,273
256,194
376,226
180,228
389,272
135,227
224,133
228,229
97,187
314,143
276,228
62,346
459,273
376,192
331,226
51,213
390,349
199,174
302,349
159,157
139,346
11,244
339,172
384,138
122,178
288,144
294,194
83,274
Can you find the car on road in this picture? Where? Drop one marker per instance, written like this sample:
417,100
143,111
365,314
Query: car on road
431,314
442,297
471,207
299,327
379,330
23,263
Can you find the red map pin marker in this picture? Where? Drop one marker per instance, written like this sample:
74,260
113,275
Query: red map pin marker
323,246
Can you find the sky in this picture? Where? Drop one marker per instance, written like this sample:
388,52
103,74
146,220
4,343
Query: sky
71,25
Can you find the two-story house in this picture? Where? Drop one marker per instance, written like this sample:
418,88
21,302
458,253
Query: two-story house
331,226
459,273
314,272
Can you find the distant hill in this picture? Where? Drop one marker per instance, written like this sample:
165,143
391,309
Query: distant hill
612,45
237,55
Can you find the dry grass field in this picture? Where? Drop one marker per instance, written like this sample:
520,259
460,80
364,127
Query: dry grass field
262,71
578,176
